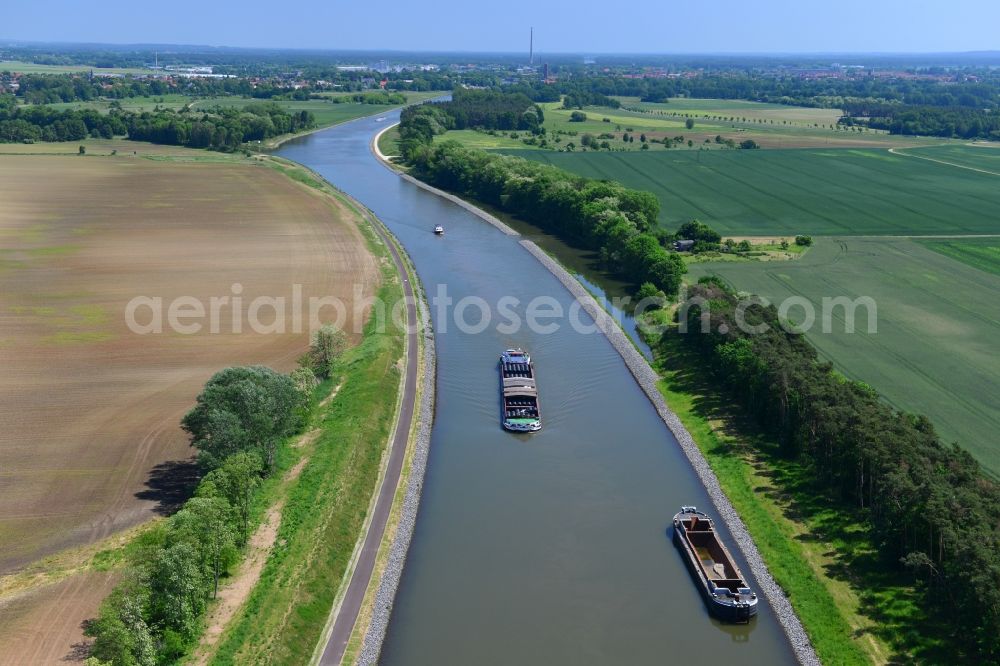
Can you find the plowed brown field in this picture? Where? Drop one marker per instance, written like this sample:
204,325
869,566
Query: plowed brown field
89,410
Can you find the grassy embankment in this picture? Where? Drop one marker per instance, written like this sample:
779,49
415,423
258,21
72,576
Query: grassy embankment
388,142
325,511
354,644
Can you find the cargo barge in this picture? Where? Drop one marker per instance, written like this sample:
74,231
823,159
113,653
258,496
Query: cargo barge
715,572
518,393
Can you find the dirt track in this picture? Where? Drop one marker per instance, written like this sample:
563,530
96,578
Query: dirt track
91,442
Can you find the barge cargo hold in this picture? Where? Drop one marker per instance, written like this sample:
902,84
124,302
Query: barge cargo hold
715,572
518,392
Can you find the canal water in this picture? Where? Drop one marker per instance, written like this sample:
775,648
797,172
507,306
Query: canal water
613,294
549,548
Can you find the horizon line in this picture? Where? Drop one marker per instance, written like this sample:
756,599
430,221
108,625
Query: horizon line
376,50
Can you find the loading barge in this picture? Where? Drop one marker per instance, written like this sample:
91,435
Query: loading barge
715,572
519,393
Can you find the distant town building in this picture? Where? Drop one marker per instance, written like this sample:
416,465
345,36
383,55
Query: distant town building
188,70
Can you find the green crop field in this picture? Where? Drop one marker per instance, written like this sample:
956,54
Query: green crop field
817,192
981,253
934,351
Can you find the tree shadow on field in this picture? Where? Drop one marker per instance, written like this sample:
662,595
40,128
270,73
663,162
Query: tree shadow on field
169,484
78,652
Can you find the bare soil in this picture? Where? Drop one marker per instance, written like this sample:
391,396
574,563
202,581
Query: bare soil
236,589
91,442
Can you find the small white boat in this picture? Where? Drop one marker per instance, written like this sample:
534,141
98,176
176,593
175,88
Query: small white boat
438,230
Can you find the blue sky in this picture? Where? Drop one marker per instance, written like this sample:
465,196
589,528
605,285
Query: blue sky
580,26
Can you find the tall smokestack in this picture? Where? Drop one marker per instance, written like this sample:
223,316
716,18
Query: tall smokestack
531,48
